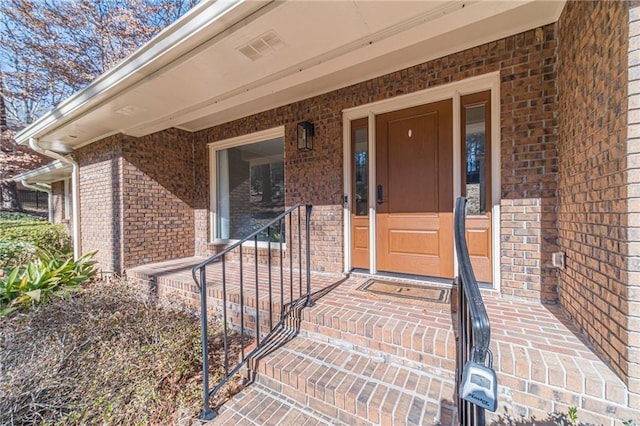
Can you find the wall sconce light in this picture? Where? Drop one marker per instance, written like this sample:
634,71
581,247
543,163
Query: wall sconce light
304,131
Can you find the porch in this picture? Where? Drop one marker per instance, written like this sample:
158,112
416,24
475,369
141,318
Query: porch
364,358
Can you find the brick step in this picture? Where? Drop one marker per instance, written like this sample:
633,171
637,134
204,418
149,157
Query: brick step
414,337
259,405
406,342
353,387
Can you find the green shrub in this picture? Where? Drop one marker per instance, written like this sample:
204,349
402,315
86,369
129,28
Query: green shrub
5,224
47,276
6,216
40,234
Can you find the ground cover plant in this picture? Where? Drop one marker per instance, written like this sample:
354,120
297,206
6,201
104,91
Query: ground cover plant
107,355
36,262
21,234
44,277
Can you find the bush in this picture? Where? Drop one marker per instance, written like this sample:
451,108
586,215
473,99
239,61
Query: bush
43,235
9,216
47,276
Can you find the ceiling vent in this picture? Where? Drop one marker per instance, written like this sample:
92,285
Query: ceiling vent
129,110
261,46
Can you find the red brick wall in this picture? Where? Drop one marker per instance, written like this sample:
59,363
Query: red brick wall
137,199
157,197
592,188
529,134
57,196
101,201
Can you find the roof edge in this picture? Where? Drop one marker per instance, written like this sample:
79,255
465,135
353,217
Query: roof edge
171,43
47,168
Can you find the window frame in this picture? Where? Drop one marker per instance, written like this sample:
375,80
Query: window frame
213,148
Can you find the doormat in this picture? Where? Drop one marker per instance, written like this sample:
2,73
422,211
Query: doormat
408,292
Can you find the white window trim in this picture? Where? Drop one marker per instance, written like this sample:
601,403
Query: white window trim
276,132
489,81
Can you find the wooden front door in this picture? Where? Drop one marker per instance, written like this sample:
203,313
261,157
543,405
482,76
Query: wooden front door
414,189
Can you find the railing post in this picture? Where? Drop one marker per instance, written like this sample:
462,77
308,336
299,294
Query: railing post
308,242
207,413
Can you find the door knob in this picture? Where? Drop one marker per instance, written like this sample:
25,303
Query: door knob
379,194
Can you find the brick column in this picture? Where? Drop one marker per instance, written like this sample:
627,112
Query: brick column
632,271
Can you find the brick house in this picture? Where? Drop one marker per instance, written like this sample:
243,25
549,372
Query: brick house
529,109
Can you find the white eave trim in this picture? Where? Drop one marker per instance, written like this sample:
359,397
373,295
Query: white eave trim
191,30
47,168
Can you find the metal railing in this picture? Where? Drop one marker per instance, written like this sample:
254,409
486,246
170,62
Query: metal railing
474,330
292,295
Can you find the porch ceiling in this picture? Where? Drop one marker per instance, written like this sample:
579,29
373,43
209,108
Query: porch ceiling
195,75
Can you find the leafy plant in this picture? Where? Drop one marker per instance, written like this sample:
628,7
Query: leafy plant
571,418
47,276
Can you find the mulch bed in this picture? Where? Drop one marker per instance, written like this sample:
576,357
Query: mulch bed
108,355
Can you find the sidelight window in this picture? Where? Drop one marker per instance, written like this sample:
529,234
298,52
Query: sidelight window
476,143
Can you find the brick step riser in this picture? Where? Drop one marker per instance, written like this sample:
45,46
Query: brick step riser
350,408
359,385
433,364
403,348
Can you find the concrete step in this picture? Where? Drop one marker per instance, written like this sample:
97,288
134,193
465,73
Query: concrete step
355,388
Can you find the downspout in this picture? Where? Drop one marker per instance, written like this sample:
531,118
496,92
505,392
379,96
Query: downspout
42,187
75,190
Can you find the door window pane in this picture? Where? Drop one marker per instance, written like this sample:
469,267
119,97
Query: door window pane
250,188
475,162
361,171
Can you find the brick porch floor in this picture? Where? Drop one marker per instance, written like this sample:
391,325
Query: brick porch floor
364,360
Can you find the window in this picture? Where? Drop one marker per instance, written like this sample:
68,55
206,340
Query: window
249,187
360,141
476,144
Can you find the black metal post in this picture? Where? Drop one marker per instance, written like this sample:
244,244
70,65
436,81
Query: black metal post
241,305
308,238
207,413
224,316
282,226
299,255
257,282
269,279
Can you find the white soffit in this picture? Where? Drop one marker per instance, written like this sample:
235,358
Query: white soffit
312,47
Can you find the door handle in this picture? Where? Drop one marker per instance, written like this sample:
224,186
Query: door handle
379,194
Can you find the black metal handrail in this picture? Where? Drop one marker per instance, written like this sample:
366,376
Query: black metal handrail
282,225
474,330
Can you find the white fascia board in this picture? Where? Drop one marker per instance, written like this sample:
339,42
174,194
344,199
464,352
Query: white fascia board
39,174
193,29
